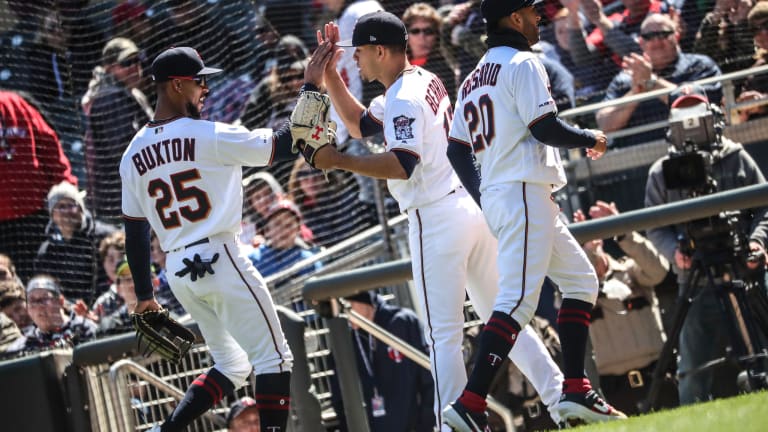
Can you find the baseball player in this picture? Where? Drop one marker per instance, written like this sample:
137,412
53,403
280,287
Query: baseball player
182,177
504,109
451,246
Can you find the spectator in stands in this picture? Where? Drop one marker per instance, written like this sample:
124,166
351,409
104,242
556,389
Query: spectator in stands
272,100
84,39
755,87
201,24
54,326
613,36
662,65
261,191
9,333
243,416
590,77
723,35
330,208
13,303
17,42
32,161
283,246
423,24
7,269
398,393
116,109
703,336
462,27
113,308
626,331
163,292
69,252
111,252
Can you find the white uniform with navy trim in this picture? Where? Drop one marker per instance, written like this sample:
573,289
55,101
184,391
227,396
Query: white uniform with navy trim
185,178
500,100
452,249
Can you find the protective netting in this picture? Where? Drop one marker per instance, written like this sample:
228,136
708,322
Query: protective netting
73,96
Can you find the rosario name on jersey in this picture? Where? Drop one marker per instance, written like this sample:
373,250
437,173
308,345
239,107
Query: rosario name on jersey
185,177
416,113
508,92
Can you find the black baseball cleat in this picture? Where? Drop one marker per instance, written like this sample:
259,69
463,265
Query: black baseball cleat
581,408
460,419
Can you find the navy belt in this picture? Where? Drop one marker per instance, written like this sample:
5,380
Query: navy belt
199,242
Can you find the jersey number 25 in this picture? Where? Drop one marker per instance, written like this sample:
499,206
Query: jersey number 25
178,190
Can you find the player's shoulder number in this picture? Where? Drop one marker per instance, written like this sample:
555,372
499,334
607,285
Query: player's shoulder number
182,190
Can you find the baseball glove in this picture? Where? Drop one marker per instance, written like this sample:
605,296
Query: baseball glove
310,127
157,332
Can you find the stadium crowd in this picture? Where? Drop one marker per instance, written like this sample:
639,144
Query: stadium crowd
75,87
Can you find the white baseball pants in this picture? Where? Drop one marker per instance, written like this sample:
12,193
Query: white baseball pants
233,309
533,243
452,250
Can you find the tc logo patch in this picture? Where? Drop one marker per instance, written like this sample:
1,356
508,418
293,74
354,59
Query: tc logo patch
403,129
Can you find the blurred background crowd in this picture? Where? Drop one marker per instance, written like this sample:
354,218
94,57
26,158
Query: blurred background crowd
75,86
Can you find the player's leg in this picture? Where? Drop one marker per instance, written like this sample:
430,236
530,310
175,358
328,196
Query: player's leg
571,270
231,369
528,353
237,307
250,317
523,228
438,259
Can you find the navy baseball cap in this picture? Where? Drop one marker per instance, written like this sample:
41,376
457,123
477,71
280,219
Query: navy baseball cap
180,62
494,10
377,28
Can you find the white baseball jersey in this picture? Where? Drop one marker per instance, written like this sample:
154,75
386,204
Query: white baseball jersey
416,112
177,175
507,92
448,262
346,65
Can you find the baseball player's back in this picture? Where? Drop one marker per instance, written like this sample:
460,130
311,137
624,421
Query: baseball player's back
182,178
185,177
506,93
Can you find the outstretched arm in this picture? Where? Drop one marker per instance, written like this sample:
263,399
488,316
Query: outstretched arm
324,70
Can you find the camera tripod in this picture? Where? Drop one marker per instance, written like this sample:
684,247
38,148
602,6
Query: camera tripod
744,307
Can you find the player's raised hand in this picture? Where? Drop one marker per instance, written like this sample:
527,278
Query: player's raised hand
601,145
315,69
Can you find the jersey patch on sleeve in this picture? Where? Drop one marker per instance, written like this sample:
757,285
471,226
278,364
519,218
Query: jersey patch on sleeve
403,129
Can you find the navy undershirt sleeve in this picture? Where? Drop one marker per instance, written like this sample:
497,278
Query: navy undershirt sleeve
137,252
553,131
369,126
463,161
407,160
283,142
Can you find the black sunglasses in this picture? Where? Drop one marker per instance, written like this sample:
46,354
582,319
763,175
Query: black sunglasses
199,80
758,27
662,34
428,31
129,62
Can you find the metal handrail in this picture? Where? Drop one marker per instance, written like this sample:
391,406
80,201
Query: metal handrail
420,359
117,372
592,108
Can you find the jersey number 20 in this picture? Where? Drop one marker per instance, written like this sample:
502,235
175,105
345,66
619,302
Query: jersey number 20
178,190
480,116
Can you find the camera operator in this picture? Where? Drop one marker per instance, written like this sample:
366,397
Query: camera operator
703,161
